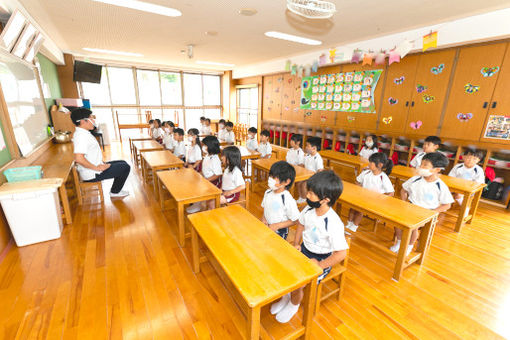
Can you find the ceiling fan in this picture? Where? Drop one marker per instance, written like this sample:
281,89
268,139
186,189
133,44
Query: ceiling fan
312,9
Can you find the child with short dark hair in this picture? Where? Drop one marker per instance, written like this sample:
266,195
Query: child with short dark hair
179,147
194,151
426,190
232,182
229,136
431,144
151,126
296,155
370,147
251,141
202,123
168,138
469,170
206,128
221,130
157,131
322,234
312,161
280,208
264,147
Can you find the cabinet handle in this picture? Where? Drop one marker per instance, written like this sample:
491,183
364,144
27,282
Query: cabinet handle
407,104
494,105
412,103
485,104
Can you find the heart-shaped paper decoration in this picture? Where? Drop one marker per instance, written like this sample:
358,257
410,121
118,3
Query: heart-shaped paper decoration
387,120
416,125
392,100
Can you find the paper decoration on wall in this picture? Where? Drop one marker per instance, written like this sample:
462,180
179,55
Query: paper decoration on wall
332,53
277,90
323,118
279,79
470,88
300,71
380,58
421,88
437,69
367,58
322,60
416,125
286,108
392,100
351,91
293,102
356,56
351,119
429,41
315,66
394,57
399,80
404,48
308,114
287,66
308,70
293,70
387,120
498,127
464,117
489,71
428,98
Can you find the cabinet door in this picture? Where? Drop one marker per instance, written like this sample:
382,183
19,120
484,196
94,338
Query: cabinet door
267,101
297,114
397,95
467,109
322,117
429,92
277,96
287,96
500,105
360,120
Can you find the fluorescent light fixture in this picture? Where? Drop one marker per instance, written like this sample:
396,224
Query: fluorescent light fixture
98,50
294,38
203,62
144,6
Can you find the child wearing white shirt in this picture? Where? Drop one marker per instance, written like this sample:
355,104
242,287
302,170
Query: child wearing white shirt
179,147
157,131
194,151
296,156
206,128
221,130
264,147
370,147
229,135
232,182
312,161
427,191
280,208
168,138
375,178
251,141
469,170
431,144
322,233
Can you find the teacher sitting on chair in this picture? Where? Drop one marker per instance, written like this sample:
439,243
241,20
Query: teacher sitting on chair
89,158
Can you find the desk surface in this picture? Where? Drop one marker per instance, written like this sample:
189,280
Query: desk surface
161,158
245,153
140,137
393,209
453,183
260,264
57,161
147,145
342,157
266,163
186,184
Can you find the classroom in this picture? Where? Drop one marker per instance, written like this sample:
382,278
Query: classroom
285,169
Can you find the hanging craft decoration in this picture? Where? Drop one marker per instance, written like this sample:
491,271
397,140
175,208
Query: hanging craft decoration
421,88
349,92
497,127
356,56
322,59
308,70
293,70
392,100
404,48
416,125
300,71
332,53
380,58
489,71
287,66
429,41
399,80
464,117
428,98
470,88
394,57
367,58
315,66
351,119
387,120
437,69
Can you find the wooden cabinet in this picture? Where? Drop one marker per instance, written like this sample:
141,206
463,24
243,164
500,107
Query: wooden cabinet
287,96
471,91
277,96
267,102
429,92
297,115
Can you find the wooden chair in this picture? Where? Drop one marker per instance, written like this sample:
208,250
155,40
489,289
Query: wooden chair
244,200
83,188
337,275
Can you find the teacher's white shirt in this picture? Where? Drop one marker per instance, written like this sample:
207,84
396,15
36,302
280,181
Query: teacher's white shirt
86,144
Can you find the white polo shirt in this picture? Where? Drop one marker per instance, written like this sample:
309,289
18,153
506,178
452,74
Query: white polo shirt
264,149
169,141
211,166
279,207
193,154
429,195
471,174
232,180
366,152
314,162
205,130
86,144
416,161
221,134
323,234
179,149
295,156
157,133
378,183
251,144
229,136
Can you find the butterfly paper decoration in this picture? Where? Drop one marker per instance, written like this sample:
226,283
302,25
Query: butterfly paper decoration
489,71
308,113
421,88
428,98
416,125
387,120
304,101
437,69
464,117
470,88
392,100
399,80
351,119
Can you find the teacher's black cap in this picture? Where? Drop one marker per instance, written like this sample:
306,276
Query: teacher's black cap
79,114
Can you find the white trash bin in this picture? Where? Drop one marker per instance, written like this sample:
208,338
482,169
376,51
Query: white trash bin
32,209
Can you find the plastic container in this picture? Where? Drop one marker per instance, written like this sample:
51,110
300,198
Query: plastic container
26,173
39,198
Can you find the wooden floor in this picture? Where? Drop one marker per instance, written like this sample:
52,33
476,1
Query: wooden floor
118,273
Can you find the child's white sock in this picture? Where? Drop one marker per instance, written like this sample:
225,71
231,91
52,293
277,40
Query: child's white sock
352,226
460,200
287,312
279,305
409,249
394,248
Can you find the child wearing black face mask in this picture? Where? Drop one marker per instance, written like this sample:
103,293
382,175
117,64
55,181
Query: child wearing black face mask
322,231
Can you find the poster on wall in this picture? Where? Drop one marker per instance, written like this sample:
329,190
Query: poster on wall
348,92
498,127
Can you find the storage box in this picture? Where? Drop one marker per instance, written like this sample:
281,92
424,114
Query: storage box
26,173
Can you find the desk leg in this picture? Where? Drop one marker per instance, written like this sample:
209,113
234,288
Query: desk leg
253,323
309,306
252,177
65,203
161,198
180,217
195,251
465,207
217,201
425,239
399,266
474,205
142,164
155,184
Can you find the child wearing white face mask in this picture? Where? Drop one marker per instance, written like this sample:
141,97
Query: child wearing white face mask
280,208
168,137
194,151
221,130
251,141
426,190
369,148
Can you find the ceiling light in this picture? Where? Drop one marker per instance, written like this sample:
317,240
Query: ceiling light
203,62
294,38
98,50
144,6
211,33
248,12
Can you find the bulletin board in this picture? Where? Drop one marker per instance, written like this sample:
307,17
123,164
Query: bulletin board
498,127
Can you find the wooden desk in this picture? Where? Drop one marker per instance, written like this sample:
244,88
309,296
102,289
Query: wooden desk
156,161
280,152
245,153
394,212
186,186
265,164
135,139
144,146
343,158
242,250
471,190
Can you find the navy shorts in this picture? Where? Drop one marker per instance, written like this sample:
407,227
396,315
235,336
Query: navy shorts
283,232
318,257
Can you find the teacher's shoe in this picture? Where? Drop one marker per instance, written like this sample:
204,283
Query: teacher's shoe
122,193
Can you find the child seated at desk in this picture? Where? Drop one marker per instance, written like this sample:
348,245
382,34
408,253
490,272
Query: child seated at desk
194,151
313,161
264,147
206,128
232,181
202,123
151,126
221,130
469,170
251,141
179,147
280,208
168,137
375,178
296,155
157,131
426,190
431,145
322,231
229,135
369,148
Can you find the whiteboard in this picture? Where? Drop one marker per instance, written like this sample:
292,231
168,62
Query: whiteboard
22,96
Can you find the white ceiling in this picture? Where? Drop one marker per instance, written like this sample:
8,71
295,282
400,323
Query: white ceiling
74,24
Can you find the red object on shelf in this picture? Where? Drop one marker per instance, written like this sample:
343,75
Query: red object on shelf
326,144
350,149
490,173
271,134
337,146
284,135
394,158
277,134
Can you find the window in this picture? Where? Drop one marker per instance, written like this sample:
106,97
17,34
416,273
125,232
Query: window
174,115
247,106
97,93
122,85
193,118
212,90
193,95
148,87
171,88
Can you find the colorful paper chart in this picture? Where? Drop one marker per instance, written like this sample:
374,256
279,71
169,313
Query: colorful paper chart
348,92
498,127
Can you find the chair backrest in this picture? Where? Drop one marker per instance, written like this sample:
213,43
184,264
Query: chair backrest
246,201
346,259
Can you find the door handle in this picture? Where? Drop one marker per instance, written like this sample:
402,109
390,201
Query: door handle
407,104
485,104
412,103
494,105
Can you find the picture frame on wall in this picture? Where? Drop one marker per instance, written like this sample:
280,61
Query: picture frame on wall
12,30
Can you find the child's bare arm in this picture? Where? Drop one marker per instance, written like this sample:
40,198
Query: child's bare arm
213,178
281,225
404,195
392,194
297,237
443,207
333,259
235,190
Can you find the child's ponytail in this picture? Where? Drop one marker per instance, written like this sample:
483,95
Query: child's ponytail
381,158
388,166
